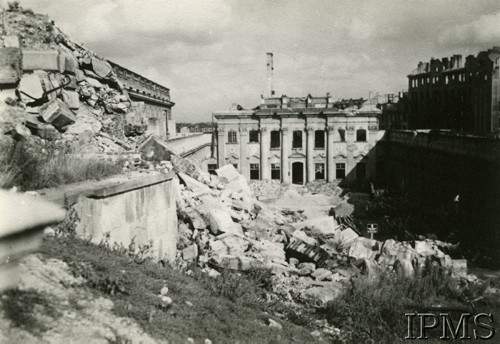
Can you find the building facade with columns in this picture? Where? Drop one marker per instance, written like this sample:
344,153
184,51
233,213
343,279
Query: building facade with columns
299,140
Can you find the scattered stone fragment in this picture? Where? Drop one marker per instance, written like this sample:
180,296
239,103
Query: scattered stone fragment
101,68
220,221
306,268
190,253
57,113
10,66
274,324
321,274
30,88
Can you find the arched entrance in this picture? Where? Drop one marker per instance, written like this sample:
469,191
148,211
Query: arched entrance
298,173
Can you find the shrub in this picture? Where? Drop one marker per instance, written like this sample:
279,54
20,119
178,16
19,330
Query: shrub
33,167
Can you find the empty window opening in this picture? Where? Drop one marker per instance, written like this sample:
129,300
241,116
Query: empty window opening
232,137
360,171
235,166
211,168
319,139
297,139
276,171
361,135
254,171
340,170
342,134
254,136
319,171
275,139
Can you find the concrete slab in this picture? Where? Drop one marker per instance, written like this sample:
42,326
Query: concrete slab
30,88
47,60
57,113
10,65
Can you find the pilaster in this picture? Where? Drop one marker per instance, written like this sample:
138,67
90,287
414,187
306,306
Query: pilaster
244,167
264,153
221,147
330,153
285,152
310,154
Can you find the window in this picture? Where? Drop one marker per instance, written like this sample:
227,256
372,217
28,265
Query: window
340,170
297,139
211,168
319,139
342,134
276,171
254,136
235,166
254,172
319,170
275,139
361,135
232,137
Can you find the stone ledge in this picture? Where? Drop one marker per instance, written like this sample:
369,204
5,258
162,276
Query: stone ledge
68,194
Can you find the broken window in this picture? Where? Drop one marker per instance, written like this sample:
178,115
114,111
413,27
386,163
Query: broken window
361,135
254,136
276,171
319,170
340,170
297,139
232,137
211,168
275,139
319,139
342,134
254,172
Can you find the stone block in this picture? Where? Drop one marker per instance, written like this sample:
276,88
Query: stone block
321,296
48,132
10,65
221,222
239,263
47,60
101,68
364,248
232,246
94,83
321,274
190,253
11,41
72,99
228,172
195,218
70,64
304,237
57,113
301,249
30,88
306,269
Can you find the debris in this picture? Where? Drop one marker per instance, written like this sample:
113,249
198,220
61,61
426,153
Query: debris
47,60
190,253
220,221
57,113
274,324
10,66
30,88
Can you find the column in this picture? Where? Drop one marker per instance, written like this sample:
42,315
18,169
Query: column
244,168
264,153
221,145
285,152
330,153
310,154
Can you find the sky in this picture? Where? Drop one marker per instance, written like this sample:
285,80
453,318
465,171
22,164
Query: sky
212,53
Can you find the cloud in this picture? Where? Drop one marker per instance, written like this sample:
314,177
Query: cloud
485,31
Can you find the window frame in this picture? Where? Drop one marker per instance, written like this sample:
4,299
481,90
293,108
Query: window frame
301,139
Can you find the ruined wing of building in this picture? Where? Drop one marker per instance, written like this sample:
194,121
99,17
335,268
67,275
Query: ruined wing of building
449,94
298,140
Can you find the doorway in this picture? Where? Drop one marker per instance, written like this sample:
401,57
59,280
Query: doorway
298,173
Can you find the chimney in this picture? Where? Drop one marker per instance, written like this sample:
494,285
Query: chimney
459,61
270,68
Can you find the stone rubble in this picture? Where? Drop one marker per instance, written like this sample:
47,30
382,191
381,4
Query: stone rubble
233,230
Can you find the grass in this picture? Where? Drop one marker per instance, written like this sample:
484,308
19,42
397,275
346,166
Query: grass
375,309
231,308
32,167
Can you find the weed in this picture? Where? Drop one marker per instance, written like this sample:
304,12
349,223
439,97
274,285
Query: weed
31,167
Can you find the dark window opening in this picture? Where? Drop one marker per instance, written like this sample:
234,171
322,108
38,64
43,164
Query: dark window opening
360,171
319,139
211,168
235,166
254,136
361,135
319,171
340,170
232,137
275,139
297,139
254,172
276,171
342,134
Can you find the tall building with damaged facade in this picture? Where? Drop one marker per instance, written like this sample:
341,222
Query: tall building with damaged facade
298,139
449,94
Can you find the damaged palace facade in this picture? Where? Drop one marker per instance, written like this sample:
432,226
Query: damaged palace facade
299,140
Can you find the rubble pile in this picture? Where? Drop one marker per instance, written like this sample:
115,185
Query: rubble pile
56,89
223,225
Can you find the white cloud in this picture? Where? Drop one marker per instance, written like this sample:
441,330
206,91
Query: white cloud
485,30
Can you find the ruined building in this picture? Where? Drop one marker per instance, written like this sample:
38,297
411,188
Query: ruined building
449,94
298,140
